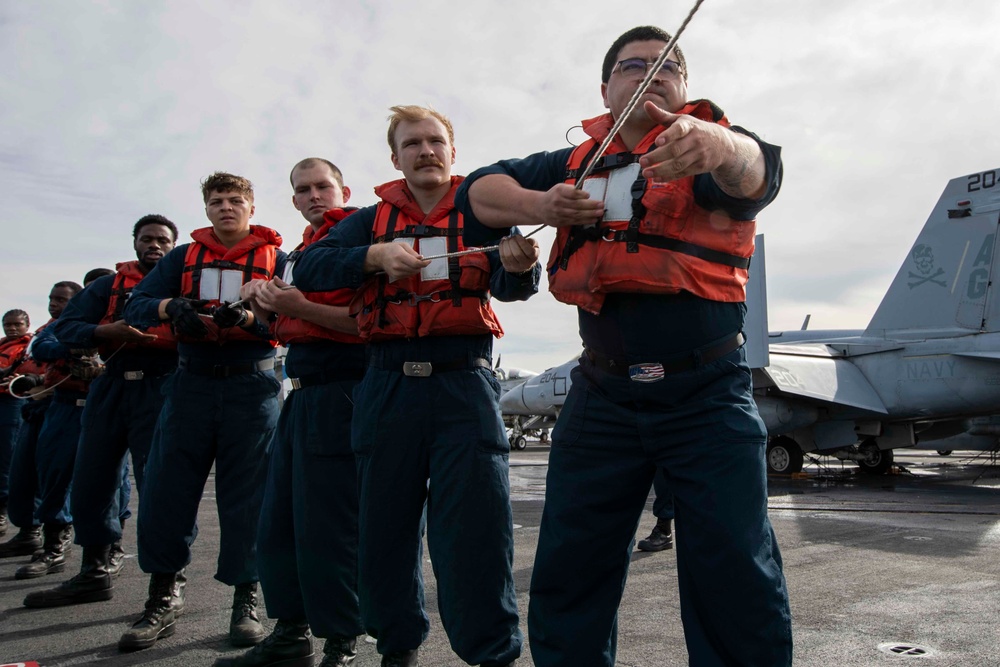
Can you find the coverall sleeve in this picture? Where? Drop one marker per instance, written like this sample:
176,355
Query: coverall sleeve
709,196
75,327
45,347
337,260
163,282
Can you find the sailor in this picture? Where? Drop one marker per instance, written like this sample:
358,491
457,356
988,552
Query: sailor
121,411
221,408
654,251
42,469
427,407
307,544
16,337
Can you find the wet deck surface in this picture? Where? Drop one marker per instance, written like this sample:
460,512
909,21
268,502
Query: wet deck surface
911,559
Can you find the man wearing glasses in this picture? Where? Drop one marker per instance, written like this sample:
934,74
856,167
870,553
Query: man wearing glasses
654,251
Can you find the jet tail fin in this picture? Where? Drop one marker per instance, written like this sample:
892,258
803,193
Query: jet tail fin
945,285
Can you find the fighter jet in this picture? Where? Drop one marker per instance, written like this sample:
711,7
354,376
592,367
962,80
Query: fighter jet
925,369
531,408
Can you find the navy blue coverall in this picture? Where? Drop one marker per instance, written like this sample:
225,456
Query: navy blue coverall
445,428
122,407
699,426
225,417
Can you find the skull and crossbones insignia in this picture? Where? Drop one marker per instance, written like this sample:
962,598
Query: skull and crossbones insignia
923,258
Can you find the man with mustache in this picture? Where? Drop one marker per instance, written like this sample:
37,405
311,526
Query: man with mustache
654,251
307,545
120,414
427,408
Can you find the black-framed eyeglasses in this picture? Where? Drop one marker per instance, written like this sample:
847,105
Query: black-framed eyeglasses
636,68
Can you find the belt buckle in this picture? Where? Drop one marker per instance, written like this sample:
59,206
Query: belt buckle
296,383
80,402
652,372
417,369
133,375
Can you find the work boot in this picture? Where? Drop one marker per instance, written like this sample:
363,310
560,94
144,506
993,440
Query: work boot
92,584
339,652
400,659
116,559
27,542
288,646
53,557
157,620
3,519
244,626
660,539
177,599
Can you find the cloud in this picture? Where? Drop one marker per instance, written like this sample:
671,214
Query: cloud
116,109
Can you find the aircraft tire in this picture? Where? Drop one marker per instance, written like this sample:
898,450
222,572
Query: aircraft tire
878,461
784,456
520,442
944,452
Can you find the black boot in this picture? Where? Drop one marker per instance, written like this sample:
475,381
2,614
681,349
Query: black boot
93,584
244,626
400,659
660,539
3,519
339,652
177,599
27,542
117,556
288,646
58,537
157,619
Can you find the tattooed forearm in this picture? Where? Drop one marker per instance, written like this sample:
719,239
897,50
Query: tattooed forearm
744,174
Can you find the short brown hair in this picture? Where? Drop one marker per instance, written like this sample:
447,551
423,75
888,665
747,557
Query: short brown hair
312,162
413,113
221,181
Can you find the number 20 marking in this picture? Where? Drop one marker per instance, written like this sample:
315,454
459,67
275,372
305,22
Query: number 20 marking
982,181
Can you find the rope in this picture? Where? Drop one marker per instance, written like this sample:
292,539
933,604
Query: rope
639,92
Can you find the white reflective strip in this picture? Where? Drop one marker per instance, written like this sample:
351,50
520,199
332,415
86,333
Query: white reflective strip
618,197
289,270
438,268
208,285
229,285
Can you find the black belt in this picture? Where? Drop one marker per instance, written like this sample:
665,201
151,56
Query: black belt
688,361
209,369
420,369
326,377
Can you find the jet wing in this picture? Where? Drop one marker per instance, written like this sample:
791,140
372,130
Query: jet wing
989,356
823,378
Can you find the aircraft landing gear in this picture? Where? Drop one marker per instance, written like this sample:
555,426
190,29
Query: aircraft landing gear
518,442
874,461
784,456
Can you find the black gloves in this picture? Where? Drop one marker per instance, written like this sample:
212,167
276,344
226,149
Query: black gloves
85,365
227,316
23,383
183,313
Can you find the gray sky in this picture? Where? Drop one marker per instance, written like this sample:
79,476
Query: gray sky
111,110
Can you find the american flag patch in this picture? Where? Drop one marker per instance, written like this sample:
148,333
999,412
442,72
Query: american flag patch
645,372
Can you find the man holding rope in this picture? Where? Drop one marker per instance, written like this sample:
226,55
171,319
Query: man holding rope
654,250
427,408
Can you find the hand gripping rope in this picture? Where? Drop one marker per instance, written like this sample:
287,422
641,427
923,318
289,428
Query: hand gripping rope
639,92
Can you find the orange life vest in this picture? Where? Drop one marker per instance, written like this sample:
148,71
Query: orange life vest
291,330
127,277
653,238
215,273
29,365
453,299
12,355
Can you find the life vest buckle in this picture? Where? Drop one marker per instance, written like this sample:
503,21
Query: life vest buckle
434,297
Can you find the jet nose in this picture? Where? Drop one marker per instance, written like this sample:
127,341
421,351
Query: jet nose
513,401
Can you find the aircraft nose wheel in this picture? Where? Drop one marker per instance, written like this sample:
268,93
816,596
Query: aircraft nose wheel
784,456
876,461
520,442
